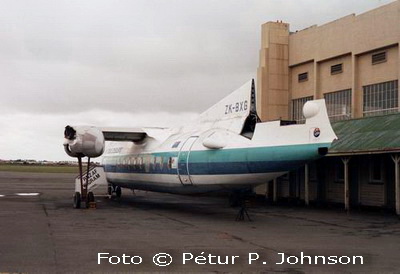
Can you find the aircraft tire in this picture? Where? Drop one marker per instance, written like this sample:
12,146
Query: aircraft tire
77,200
110,190
89,198
118,191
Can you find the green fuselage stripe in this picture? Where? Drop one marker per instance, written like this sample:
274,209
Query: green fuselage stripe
221,161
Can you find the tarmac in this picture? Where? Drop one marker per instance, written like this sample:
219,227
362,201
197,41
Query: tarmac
45,234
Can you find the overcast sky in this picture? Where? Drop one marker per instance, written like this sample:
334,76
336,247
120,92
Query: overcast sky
130,63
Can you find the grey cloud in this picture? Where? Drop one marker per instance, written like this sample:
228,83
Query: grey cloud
68,57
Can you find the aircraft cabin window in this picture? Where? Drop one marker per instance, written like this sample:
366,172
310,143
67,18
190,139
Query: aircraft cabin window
147,162
172,162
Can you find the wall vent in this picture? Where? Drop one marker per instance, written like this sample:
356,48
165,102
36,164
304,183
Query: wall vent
303,77
335,69
379,57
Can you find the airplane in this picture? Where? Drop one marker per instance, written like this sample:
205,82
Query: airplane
227,148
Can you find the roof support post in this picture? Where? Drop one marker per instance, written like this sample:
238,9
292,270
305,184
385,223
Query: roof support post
396,160
345,161
306,185
275,190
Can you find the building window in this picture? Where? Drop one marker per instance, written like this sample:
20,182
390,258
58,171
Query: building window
313,171
297,108
336,69
339,172
380,98
338,104
376,172
303,77
379,57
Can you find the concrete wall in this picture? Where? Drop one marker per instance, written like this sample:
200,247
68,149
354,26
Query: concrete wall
383,72
350,40
330,83
301,89
273,72
352,34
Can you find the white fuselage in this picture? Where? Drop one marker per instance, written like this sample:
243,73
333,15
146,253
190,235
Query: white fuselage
179,162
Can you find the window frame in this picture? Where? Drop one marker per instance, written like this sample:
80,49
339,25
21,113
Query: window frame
341,98
372,165
380,98
339,170
296,104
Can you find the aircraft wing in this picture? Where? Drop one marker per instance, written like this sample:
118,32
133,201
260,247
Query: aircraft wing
89,140
124,134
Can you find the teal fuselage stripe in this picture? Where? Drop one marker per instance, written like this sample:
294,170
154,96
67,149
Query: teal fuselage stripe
222,161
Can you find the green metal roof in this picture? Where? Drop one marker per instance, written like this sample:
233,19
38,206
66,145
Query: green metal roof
378,134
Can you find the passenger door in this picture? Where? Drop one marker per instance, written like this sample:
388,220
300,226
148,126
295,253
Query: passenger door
183,161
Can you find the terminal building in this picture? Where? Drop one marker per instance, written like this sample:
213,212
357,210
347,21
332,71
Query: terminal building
354,64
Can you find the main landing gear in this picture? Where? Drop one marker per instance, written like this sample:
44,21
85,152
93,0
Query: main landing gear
114,190
84,196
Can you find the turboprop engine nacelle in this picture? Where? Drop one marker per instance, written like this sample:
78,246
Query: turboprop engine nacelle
83,141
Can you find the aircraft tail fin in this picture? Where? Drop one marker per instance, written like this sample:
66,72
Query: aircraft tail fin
231,112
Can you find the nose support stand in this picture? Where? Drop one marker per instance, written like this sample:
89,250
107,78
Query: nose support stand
85,195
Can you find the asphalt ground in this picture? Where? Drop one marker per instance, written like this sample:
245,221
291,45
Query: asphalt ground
44,234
